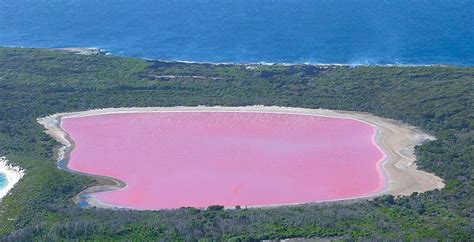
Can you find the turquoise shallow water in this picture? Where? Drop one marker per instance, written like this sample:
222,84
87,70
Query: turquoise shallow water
313,31
3,180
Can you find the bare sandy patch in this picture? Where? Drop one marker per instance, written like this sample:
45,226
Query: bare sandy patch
83,51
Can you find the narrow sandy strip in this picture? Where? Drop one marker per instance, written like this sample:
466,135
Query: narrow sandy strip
84,51
13,175
396,139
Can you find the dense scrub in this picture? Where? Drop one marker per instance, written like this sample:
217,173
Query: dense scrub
35,83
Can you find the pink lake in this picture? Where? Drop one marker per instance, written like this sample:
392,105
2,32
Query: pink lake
197,159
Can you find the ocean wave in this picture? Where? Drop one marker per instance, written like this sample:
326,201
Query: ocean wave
360,63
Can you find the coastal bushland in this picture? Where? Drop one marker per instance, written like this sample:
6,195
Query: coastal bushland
37,82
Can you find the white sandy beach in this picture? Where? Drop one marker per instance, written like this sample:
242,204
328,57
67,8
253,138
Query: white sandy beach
396,139
13,175
83,51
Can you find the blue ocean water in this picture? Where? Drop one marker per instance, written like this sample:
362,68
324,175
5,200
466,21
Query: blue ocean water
3,180
289,31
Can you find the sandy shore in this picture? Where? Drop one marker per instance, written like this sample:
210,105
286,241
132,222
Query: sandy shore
13,175
83,51
396,139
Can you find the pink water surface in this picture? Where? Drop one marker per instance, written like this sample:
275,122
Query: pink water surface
175,159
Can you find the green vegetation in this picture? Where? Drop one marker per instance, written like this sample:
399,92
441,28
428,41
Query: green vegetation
35,83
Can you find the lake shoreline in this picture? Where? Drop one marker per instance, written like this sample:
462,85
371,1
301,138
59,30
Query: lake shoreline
394,138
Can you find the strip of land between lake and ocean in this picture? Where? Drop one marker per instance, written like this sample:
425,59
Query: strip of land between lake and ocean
396,139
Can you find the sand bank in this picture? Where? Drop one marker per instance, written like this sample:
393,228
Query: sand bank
13,175
397,140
